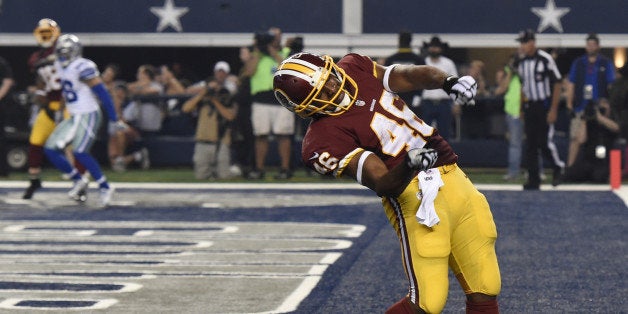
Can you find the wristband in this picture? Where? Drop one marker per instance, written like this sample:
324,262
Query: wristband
361,165
450,81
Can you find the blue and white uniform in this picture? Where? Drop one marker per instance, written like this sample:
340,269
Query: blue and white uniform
85,116
82,90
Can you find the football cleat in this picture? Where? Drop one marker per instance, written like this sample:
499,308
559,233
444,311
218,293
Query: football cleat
78,192
35,185
106,195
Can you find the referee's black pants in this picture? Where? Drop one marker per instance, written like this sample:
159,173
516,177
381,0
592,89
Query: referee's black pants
4,167
539,138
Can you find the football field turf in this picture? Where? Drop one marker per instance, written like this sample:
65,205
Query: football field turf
290,247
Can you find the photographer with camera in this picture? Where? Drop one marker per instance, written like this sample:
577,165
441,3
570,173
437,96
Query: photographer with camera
266,114
589,79
215,110
6,83
601,131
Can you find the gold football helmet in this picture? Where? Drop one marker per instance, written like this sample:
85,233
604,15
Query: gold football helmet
300,80
46,32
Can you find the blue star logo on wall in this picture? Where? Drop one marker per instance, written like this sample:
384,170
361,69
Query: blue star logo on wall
169,15
550,16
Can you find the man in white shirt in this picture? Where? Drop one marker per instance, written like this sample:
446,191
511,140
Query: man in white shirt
436,105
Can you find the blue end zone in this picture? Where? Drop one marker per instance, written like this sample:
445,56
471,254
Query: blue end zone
559,251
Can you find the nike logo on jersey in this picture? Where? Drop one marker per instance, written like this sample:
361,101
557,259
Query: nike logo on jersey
360,103
315,156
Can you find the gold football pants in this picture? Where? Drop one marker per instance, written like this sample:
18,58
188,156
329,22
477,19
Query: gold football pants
44,124
463,240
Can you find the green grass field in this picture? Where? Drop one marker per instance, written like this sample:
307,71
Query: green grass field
186,175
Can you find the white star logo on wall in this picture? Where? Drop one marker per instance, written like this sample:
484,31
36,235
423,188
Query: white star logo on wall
169,15
550,16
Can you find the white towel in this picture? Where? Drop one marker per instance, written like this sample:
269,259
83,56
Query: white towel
429,183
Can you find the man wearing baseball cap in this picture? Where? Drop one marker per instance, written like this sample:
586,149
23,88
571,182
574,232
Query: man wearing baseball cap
526,36
541,84
590,77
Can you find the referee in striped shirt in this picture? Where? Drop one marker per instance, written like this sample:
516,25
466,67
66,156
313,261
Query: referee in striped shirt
541,94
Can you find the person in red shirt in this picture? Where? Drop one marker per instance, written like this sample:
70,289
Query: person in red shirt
362,129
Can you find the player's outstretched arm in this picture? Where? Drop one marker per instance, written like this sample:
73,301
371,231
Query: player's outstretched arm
99,89
405,78
370,171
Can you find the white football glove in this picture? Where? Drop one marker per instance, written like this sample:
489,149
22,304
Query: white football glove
421,158
461,90
115,127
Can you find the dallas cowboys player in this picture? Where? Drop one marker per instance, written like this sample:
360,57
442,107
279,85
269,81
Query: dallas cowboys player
81,88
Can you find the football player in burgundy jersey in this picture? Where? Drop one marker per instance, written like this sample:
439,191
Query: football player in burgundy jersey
48,94
360,128
48,83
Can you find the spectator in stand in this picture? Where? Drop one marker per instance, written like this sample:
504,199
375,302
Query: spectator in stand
109,76
510,87
436,106
182,73
404,55
267,116
215,110
294,45
619,105
228,80
476,70
172,87
6,82
170,83
243,140
590,77
602,128
148,109
122,140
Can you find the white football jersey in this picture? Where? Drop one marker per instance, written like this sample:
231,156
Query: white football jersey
79,97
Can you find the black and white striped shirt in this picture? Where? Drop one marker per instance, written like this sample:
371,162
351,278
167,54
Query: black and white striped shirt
538,74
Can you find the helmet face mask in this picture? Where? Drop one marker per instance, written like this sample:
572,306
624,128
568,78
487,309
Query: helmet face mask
46,32
302,85
68,49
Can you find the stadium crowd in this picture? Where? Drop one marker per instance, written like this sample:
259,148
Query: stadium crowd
233,115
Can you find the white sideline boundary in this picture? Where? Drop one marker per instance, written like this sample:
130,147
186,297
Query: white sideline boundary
622,192
301,186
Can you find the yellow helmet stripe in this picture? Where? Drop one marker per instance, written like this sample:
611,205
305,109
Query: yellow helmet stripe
297,67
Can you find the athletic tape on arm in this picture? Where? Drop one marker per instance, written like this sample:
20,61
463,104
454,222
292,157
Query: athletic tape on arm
387,77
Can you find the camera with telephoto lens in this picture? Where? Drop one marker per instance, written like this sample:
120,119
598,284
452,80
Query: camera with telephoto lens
262,40
590,110
209,91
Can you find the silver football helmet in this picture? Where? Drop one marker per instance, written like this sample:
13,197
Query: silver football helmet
68,49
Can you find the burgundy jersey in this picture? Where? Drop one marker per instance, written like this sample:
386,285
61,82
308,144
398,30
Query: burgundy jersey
379,122
41,63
